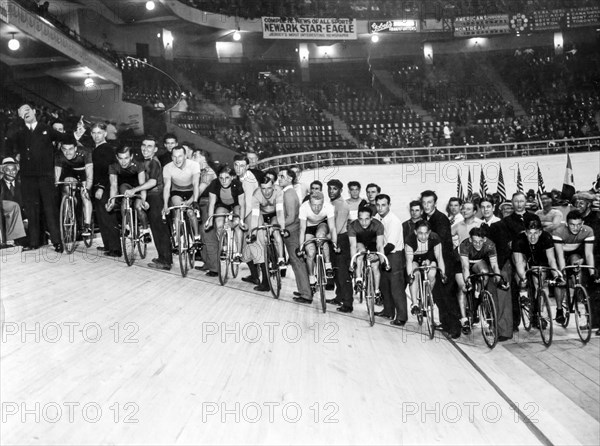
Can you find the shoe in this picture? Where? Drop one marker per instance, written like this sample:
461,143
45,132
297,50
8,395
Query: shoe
504,338
515,329
58,247
454,335
113,254
281,264
303,300
397,323
475,319
237,258
251,279
414,310
87,231
378,299
297,294
598,333
560,317
358,286
102,248
383,314
466,329
334,301
330,286
159,265
29,248
345,309
212,274
283,272
262,287
329,273
313,288
146,237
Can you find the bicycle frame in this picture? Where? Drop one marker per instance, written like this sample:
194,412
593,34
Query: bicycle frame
319,265
132,234
186,251
538,302
487,307
69,229
580,296
271,256
426,304
227,234
368,279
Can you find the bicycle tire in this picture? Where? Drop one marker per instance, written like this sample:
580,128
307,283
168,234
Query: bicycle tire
141,245
582,312
183,252
273,273
223,262
544,315
567,307
68,224
429,309
370,295
525,309
128,237
191,245
321,279
88,240
235,266
488,319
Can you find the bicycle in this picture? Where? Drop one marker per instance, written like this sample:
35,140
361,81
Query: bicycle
130,230
68,220
579,304
272,256
542,314
367,291
183,241
227,247
425,298
320,264
488,318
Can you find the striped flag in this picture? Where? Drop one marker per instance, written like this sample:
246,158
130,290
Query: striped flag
501,187
519,181
469,186
460,193
568,189
541,188
482,185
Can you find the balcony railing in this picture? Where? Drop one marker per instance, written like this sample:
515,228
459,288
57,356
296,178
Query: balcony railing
357,157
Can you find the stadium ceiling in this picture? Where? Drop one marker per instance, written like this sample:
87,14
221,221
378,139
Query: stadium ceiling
119,12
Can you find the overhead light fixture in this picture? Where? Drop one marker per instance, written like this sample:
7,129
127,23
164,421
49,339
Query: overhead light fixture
150,6
13,44
89,82
374,38
236,35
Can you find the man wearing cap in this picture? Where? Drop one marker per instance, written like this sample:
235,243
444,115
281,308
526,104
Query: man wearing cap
11,222
33,145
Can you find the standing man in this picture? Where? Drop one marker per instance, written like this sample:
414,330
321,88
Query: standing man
291,210
551,218
416,214
487,213
444,296
33,144
343,283
392,285
461,228
103,156
355,202
372,191
169,142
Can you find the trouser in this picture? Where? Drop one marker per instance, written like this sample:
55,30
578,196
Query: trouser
393,287
343,282
160,230
210,254
504,304
12,222
38,192
107,223
445,297
514,296
292,243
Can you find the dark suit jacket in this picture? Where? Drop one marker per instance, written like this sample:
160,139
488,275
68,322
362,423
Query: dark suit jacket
408,227
16,195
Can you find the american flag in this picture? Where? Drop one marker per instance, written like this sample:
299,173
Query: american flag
519,180
482,185
469,186
460,193
541,187
501,188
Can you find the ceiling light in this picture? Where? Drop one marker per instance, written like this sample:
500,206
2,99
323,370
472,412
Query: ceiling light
150,6
14,44
89,82
237,36
374,38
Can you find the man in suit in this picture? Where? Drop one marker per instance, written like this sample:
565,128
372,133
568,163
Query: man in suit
33,145
416,214
11,217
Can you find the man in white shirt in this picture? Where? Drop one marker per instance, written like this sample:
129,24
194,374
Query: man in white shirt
460,229
487,213
392,285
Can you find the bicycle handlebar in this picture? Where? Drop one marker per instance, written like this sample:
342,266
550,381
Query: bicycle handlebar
381,255
228,215
124,196
577,267
180,206
316,240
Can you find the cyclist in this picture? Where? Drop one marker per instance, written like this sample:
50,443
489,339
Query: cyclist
125,176
461,227
423,248
317,219
315,186
355,202
574,245
267,208
366,234
181,185
226,194
73,164
477,255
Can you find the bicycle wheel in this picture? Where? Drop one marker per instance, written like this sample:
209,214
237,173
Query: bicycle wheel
488,319
141,245
544,316
128,237
191,245
369,286
525,309
273,272
235,266
583,315
183,243
223,264
567,307
68,224
322,280
428,296
89,239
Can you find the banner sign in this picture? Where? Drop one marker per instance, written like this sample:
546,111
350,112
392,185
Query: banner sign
481,25
309,28
548,19
433,26
394,26
589,16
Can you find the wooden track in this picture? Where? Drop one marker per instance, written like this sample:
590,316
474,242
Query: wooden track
152,348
